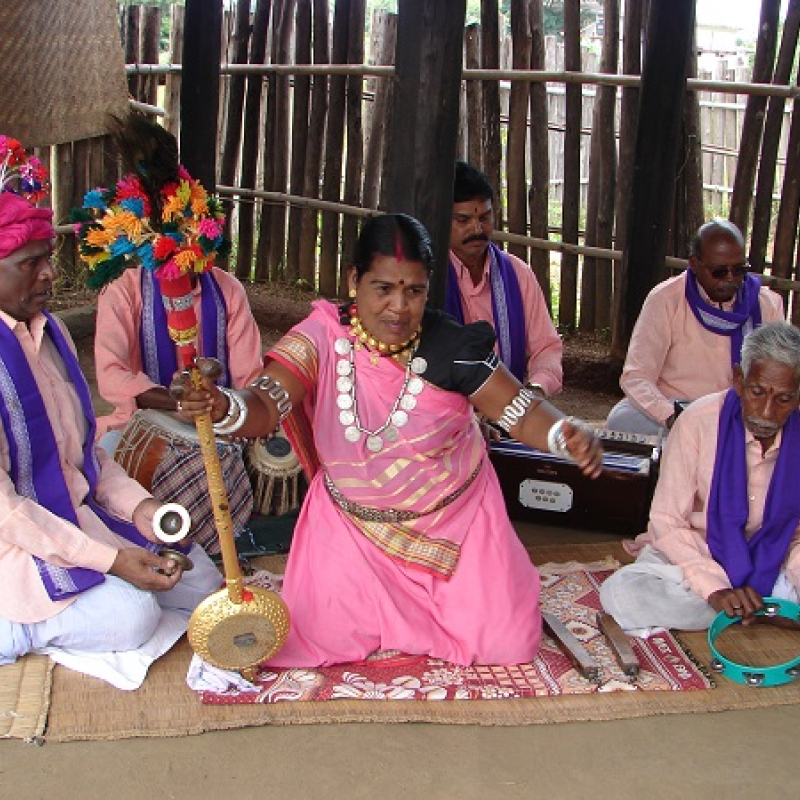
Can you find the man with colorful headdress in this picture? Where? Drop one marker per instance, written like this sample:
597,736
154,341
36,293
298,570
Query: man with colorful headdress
80,574
155,224
688,335
724,527
167,223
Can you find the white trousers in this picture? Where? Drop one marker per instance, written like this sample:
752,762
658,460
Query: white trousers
625,416
651,593
114,616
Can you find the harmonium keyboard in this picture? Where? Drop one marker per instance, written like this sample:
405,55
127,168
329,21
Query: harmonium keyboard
540,487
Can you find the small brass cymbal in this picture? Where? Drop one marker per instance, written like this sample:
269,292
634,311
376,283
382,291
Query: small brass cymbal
185,563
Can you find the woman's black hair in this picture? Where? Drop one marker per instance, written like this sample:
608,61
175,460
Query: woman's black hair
398,235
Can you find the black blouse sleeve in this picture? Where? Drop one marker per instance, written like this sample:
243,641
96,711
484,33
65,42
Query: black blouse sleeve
460,358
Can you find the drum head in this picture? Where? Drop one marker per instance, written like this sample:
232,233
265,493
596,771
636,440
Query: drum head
237,636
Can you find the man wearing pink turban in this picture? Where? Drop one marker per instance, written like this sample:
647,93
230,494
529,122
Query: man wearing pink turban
80,574
21,222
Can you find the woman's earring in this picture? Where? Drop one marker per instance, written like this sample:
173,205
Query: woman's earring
352,293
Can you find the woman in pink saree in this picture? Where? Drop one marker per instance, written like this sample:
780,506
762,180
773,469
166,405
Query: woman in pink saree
403,542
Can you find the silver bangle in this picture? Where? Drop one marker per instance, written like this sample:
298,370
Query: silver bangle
233,409
516,409
275,391
236,416
557,441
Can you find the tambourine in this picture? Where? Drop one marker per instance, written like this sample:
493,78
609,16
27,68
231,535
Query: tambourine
775,675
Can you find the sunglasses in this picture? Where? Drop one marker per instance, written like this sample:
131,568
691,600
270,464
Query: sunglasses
734,270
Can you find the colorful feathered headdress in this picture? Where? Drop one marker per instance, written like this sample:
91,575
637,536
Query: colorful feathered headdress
157,215
20,172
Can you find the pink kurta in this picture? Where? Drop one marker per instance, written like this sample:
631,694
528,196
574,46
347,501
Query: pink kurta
348,596
544,348
678,514
117,349
27,528
672,356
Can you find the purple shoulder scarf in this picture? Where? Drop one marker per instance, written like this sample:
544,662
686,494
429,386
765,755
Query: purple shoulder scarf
737,323
755,562
507,309
35,469
159,359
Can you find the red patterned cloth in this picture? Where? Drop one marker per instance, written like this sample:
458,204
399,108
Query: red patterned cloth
568,592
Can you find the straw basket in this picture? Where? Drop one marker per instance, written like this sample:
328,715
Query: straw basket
63,69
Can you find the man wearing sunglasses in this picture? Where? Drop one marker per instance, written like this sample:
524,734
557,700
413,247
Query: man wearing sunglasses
688,336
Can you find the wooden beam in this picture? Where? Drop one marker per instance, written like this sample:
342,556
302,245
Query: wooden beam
424,126
200,89
669,37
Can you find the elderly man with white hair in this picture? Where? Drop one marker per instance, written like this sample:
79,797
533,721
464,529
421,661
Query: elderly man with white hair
723,531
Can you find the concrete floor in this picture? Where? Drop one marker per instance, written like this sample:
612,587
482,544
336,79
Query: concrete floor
749,754
741,754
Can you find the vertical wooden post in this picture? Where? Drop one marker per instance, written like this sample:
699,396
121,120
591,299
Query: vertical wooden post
385,39
596,288
330,247
233,127
200,90
762,209
629,114
151,38
669,37
518,126
492,146
300,107
252,128
422,141
539,194
753,124
316,128
172,100
354,164
271,250
132,38
472,47
571,197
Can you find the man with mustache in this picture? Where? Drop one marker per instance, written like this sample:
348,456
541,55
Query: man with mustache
80,574
723,530
485,283
689,332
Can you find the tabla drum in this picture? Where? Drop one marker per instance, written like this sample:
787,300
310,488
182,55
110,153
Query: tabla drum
275,475
162,452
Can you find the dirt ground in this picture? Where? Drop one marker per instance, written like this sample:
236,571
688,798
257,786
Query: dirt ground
737,754
590,387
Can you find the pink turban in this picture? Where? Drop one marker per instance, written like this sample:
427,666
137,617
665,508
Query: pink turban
21,222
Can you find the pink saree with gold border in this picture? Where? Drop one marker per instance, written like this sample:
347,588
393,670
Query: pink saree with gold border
409,548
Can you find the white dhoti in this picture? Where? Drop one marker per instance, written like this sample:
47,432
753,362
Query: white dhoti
114,631
652,594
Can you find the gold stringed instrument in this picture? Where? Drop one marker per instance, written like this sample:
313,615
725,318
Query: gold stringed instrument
239,626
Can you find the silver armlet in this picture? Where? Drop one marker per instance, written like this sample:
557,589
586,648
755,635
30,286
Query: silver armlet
275,391
236,416
516,409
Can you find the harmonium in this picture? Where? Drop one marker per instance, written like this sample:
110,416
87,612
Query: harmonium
540,487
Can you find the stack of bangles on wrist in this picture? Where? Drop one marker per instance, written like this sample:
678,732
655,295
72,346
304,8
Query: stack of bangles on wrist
234,417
